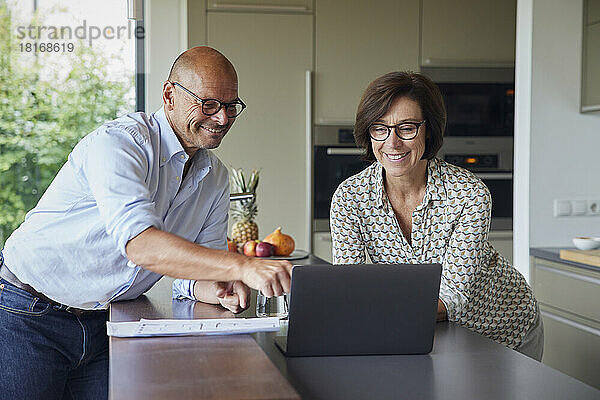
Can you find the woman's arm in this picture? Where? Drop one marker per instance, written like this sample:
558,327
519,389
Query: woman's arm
467,250
348,246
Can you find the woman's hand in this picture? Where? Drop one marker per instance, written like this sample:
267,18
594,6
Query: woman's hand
441,311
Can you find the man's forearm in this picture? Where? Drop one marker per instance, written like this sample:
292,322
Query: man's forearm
168,254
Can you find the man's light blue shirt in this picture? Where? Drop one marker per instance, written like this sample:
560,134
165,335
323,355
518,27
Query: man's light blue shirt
119,180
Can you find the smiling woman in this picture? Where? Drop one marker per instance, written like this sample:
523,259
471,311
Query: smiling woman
59,80
409,207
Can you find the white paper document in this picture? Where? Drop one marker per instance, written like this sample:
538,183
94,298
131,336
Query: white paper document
191,327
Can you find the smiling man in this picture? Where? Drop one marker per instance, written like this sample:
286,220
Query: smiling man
140,197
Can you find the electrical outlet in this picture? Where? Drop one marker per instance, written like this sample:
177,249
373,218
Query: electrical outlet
580,207
562,208
594,207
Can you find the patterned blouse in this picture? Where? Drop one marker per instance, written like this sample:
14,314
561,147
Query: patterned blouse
479,287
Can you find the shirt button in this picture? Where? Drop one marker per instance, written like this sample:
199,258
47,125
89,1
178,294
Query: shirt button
164,159
177,178
182,157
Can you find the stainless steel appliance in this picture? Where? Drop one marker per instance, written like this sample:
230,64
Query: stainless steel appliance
491,159
479,136
335,158
480,129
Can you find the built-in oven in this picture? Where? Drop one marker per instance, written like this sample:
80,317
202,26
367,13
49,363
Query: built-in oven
335,158
479,135
491,159
479,101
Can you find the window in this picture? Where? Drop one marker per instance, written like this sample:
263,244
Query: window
66,67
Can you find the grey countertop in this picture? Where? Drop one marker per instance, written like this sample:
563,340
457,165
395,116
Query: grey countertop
553,254
462,365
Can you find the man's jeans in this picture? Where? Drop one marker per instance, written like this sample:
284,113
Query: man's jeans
50,354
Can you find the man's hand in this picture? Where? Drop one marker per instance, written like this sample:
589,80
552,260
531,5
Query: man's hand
234,295
271,277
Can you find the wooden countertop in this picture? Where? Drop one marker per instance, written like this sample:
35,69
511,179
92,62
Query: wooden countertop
553,254
209,367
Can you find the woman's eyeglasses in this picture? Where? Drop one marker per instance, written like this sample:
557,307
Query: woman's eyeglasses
405,130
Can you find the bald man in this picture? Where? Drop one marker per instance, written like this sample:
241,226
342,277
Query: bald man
140,197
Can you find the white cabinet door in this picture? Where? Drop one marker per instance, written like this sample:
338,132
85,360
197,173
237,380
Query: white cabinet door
468,33
572,346
271,53
568,297
356,42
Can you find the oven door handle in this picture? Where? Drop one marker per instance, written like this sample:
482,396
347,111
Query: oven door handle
343,151
494,175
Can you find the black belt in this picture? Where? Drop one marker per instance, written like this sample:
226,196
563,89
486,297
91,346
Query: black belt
13,280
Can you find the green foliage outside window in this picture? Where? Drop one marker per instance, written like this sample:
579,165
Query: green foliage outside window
42,118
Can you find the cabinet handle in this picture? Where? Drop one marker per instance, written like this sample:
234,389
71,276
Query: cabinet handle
494,175
327,121
261,7
572,324
590,108
343,151
569,274
455,62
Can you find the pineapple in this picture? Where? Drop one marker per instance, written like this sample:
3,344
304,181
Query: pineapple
243,212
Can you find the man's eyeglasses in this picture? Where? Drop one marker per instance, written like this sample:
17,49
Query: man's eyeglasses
405,130
213,106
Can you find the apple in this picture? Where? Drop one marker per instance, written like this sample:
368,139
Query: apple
264,249
249,248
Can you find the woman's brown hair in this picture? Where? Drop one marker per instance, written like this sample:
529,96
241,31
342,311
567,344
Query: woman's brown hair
381,93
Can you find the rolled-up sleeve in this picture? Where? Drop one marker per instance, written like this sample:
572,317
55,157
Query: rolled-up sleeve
116,168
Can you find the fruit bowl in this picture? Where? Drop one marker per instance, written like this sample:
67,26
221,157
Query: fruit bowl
586,243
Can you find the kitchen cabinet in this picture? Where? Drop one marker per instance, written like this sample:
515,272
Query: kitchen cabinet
322,246
356,42
590,84
568,297
261,5
468,33
271,134
592,10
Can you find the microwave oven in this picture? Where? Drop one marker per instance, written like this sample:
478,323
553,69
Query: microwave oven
479,101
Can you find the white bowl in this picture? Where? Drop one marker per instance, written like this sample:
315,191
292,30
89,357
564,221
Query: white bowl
586,243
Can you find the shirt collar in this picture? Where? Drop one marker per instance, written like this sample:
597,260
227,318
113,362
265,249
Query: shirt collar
169,143
434,190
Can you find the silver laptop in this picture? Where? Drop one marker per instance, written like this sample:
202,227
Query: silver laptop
362,310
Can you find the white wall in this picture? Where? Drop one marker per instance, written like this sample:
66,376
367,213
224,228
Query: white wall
564,156
565,144
166,37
